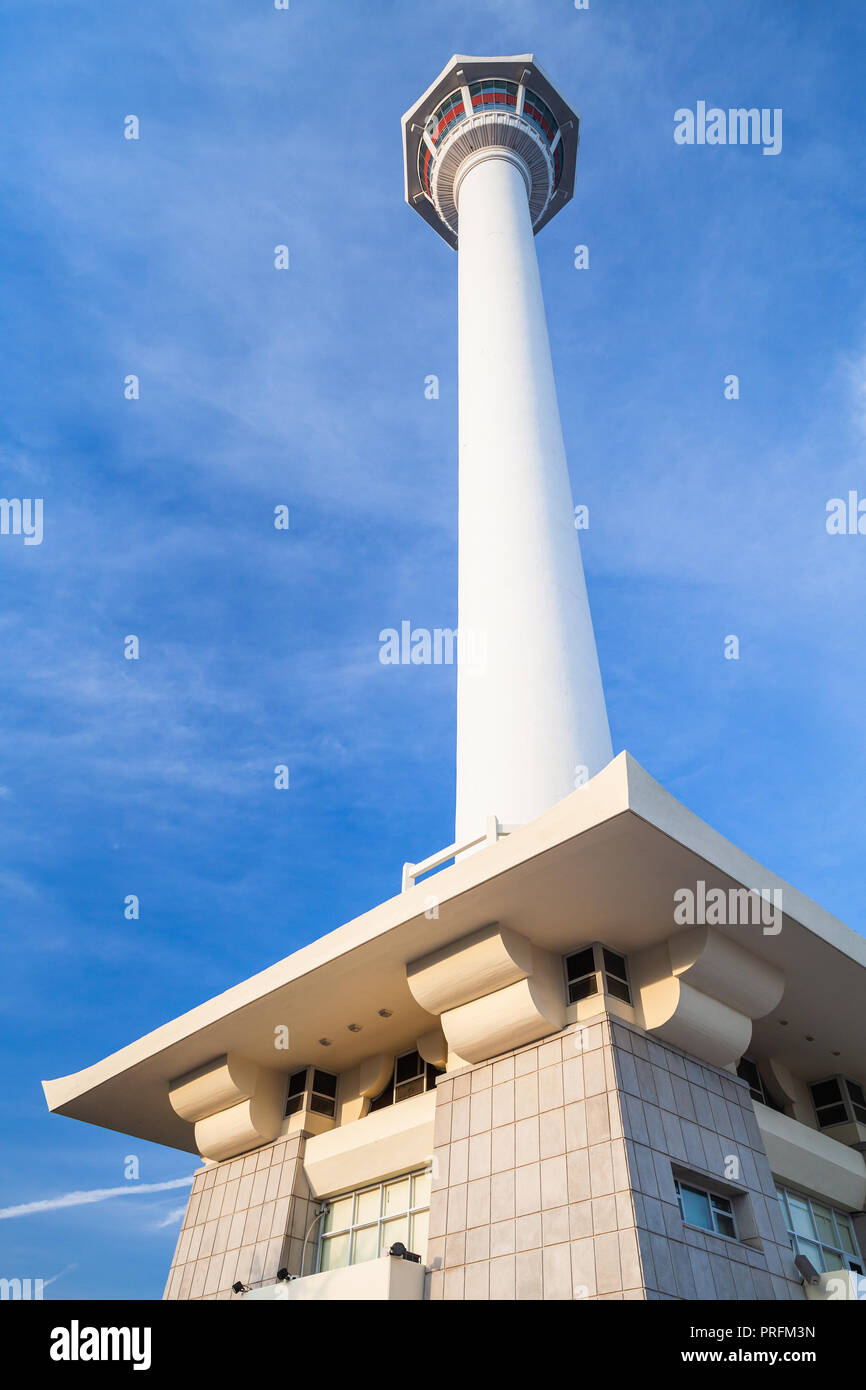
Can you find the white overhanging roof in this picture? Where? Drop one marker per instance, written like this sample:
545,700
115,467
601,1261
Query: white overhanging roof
604,864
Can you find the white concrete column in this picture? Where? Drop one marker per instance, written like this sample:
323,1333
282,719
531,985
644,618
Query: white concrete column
530,705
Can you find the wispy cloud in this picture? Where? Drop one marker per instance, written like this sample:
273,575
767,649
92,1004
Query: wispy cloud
96,1194
171,1219
55,1277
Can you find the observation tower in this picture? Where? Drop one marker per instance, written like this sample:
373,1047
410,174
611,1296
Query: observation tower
490,155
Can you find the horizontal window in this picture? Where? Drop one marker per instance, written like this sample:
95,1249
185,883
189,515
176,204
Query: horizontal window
820,1232
363,1225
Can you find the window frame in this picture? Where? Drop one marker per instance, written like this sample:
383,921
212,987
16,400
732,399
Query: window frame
356,1226
757,1092
427,1074
844,1258
601,974
847,1101
719,1205
306,1097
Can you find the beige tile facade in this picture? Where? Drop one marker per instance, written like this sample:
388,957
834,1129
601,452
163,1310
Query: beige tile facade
553,1176
245,1219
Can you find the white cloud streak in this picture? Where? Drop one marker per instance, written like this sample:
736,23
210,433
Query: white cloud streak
96,1194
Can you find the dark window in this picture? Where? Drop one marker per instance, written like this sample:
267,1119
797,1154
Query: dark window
411,1077
314,1090
584,969
858,1101
826,1092
747,1070
838,1101
296,1092
616,975
581,975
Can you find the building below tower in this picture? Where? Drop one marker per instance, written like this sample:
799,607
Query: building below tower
608,1056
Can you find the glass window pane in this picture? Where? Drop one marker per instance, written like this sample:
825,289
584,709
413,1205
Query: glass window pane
801,1220
418,1234
725,1224
322,1105
335,1252
582,989
748,1071
367,1205
856,1093
393,1231
812,1252
366,1244
324,1083
832,1115
826,1092
619,989
406,1089
298,1082
696,1208
846,1237
408,1066
339,1215
824,1222
421,1190
615,964
396,1197
581,963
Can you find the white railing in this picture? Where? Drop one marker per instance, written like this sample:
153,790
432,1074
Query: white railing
493,831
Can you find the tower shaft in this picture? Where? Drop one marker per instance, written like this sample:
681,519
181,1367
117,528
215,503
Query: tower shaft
530,705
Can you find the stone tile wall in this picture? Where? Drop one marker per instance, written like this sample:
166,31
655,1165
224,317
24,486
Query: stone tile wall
678,1112
553,1176
246,1218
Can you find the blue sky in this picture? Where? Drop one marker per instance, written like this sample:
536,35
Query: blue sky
306,388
